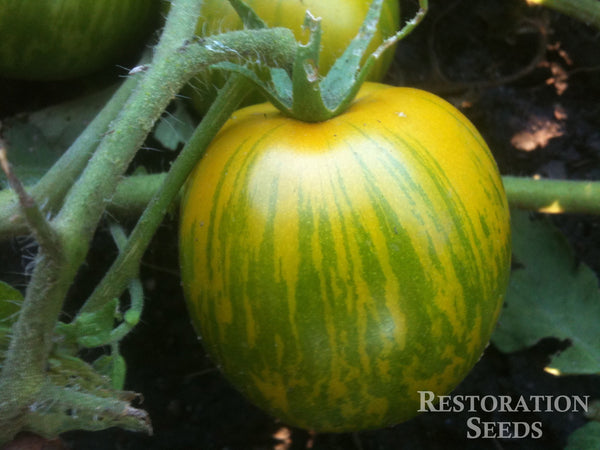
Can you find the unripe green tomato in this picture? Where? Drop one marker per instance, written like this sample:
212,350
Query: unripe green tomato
62,39
340,22
335,269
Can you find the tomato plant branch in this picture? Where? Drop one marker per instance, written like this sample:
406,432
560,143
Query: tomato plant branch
160,82
43,232
587,11
23,371
124,267
133,195
23,368
50,190
279,45
553,196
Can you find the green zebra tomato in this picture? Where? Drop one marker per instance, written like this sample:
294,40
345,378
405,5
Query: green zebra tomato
340,22
335,269
61,39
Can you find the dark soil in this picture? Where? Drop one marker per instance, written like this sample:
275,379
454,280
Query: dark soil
529,79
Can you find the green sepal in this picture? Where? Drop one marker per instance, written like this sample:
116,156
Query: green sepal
306,92
308,96
249,18
313,98
10,304
278,90
92,329
340,85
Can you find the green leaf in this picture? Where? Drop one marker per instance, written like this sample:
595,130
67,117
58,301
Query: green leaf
585,438
550,295
10,304
93,329
249,18
175,128
79,396
36,140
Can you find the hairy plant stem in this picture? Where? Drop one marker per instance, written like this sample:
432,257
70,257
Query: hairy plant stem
50,190
40,227
127,263
23,371
549,196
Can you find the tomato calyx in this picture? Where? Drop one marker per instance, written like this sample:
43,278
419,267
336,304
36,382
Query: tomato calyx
305,94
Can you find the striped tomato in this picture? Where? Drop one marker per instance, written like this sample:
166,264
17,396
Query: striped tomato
62,39
335,269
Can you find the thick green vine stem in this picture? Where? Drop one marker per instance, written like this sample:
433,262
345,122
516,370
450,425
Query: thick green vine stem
124,267
50,190
178,56
44,234
548,196
587,11
24,380
553,196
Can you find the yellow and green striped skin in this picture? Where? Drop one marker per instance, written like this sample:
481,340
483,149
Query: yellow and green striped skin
340,22
335,269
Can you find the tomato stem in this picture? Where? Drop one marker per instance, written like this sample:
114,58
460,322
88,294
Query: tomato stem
50,190
115,280
40,227
22,381
24,377
542,195
553,196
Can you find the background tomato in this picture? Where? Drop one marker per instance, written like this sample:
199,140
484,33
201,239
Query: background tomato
340,22
335,269
60,39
